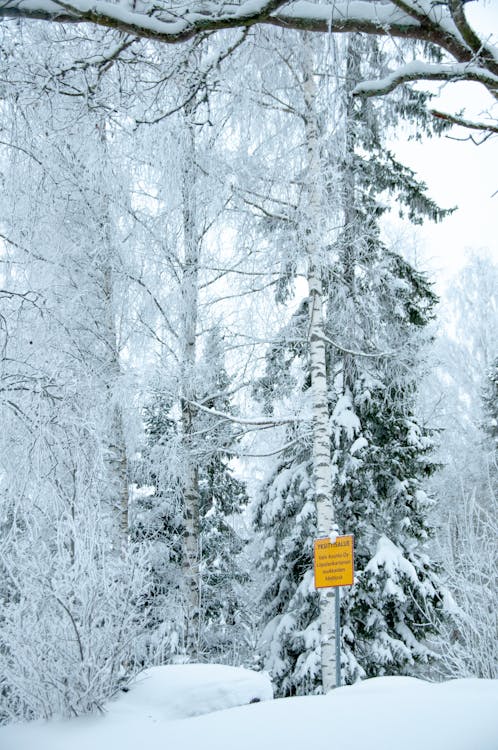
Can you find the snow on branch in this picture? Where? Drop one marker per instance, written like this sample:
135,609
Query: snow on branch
177,22
418,71
172,23
464,122
471,39
255,422
268,454
339,347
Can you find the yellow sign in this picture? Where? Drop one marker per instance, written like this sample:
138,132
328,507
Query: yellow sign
334,563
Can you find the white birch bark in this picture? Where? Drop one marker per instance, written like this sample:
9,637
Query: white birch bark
320,414
189,294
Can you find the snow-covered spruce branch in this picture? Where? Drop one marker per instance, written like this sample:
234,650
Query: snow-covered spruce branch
256,422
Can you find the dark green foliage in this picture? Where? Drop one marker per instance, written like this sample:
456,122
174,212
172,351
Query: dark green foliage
156,523
287,346
379,495
285,512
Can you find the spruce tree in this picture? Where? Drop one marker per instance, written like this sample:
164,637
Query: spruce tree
382,455
158,516
222,499
156,523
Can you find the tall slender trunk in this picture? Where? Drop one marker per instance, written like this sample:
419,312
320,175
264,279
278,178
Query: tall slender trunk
118,458
116,443
189,293
313,214
349,249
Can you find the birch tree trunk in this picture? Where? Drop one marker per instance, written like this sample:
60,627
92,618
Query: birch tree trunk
189,301
313,212
116,444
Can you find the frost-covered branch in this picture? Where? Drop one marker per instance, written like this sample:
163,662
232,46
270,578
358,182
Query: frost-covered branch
472,40
464,122
419,71
255,422
268,454
177,23
172,24
339,347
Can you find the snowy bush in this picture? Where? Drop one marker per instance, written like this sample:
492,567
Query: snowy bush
470,643
70,617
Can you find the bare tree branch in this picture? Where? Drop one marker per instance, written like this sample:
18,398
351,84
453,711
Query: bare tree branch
255,422
418,71
457,120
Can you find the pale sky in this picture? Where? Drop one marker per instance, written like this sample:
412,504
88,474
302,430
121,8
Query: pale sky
462,174
459,172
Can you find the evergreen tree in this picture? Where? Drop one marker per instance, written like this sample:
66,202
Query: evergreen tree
222,499
156,523
382,457
158,516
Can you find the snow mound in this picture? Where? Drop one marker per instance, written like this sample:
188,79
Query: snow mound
184,690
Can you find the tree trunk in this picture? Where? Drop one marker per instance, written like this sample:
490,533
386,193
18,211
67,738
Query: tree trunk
117,453
118,458
189,293
313,211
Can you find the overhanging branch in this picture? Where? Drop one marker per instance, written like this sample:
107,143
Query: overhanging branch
419,71
464,122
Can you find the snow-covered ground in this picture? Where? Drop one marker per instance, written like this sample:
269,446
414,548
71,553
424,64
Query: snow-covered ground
185,690
161,712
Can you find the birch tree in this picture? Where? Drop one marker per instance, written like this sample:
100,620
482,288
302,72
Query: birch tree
72,606
375,304
463,398
179,281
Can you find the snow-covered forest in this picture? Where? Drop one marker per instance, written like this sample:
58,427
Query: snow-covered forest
215,350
